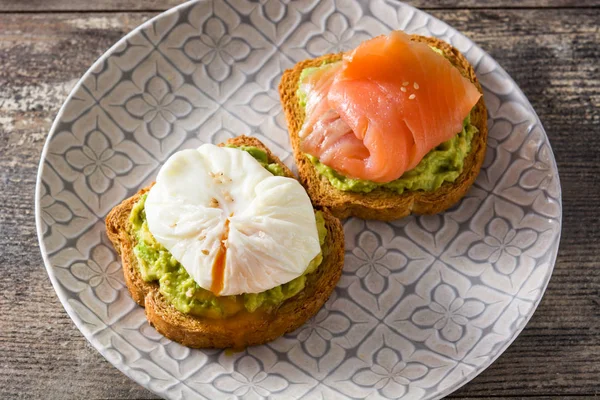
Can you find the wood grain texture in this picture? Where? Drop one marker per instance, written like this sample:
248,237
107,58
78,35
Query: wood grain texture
158,5
478,4
86,5
552,54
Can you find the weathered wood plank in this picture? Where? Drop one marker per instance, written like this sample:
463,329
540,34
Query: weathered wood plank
552,54
156,5
481,4
86,5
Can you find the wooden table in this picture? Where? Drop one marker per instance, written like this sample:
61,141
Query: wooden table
550,47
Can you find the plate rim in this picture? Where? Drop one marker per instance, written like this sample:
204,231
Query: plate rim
110,51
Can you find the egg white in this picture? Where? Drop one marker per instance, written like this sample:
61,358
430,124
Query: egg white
272,233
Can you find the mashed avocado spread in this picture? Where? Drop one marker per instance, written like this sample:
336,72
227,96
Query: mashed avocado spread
442,164
262,158
179,288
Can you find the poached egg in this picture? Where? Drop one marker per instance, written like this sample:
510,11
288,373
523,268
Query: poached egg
235,227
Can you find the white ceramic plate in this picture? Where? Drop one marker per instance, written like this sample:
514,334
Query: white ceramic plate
424,303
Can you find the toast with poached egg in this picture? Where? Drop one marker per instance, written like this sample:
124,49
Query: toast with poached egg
220,313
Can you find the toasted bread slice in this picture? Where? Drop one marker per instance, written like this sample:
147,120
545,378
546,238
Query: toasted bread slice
234,332
382,204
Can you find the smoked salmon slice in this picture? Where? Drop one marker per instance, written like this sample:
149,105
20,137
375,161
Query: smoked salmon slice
377,113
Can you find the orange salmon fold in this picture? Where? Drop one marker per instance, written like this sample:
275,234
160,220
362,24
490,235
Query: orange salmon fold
379,111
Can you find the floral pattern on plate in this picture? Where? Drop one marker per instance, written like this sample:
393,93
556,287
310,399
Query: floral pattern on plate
424,303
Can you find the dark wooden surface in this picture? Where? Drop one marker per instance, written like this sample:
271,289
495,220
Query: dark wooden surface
550,49
37,6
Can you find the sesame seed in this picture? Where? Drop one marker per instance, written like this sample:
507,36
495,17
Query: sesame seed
214,203
416,85
190,292
412,96
173,225
403,89
404,83
202,237
212,174
167,282
205,252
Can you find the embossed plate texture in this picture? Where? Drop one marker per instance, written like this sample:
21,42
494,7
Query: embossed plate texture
424,303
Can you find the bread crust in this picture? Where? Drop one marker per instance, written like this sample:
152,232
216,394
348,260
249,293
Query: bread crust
383,204
236,332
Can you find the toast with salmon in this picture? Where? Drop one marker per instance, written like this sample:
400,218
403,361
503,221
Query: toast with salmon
382,203
233,332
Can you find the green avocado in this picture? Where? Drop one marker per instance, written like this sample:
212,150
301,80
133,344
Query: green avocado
442,164
179,288
262,157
